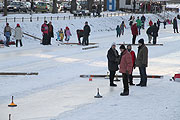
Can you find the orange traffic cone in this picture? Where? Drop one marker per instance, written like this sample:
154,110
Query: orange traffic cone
12,103
98,94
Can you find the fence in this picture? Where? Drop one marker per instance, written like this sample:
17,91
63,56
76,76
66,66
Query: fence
31,19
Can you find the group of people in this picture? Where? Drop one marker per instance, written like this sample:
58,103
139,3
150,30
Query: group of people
126,62
61,34
18,34
48,32
120,29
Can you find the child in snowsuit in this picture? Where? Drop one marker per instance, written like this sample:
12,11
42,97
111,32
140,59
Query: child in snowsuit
68,34
118,30
122,27
61,34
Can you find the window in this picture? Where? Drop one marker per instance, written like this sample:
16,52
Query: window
128,2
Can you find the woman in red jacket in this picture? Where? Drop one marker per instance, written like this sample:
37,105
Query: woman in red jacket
134,31
125,68
133,56
150,23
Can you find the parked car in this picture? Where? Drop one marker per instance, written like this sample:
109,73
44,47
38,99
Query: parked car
1,7
43,7
66,6
17,7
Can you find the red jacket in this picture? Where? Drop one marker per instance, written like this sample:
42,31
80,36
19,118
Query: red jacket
126,62
133,57
150,23
134,29
44,28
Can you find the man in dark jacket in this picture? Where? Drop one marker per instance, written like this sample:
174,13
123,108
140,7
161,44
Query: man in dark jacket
149,33
155,33
143,19
142,62
175,26
50,32
87,31
113,62
158,24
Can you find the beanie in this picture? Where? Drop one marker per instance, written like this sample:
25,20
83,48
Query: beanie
141,41
113,44
18,25
122,47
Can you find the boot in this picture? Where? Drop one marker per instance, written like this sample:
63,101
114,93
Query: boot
132,84
113,85
125,93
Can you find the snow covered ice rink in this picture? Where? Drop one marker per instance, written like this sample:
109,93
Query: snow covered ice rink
58,93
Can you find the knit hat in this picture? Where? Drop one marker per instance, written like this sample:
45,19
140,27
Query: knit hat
113,44
18,25
122,47
128,45
7,24
141,41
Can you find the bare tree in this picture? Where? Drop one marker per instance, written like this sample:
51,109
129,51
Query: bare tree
54,10
73,5
90,3
5,7
105,5
117,4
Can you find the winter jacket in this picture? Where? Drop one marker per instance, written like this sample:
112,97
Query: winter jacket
118,30
126,64
134,29
155,31
139,23
158,23
150,23
50,30
142,56
149,30
44,28
68,33
113,59
122,26
18,33
7,31
143,18
87,30
175,26
133,56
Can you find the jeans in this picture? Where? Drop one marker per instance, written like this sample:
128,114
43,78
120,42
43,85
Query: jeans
7,41
85,40
143,76
139,29
154,40
125,81
111,77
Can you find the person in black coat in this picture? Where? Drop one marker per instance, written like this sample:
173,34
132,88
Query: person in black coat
143,19
158,24
86,34
50,33
175,26
155,30
149,33
113,62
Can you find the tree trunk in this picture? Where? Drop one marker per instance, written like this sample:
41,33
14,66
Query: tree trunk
117,4
73,6
90,3
54,10
5,7
105,5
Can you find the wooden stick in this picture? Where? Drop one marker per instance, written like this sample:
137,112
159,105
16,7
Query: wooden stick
17,73
86,48
32,36
134,76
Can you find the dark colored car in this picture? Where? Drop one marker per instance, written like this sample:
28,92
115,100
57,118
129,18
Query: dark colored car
17,7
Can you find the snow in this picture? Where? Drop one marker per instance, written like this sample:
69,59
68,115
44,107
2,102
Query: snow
58,93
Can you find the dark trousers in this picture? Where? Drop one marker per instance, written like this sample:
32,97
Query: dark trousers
143,75
154,39
111,77
176,30
49,40
134,39
45,39
139,29
7,41
125,81
17,43
130,78
85,40
118,34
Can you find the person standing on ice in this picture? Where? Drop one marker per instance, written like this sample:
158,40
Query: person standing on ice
134,31
164,23
133,56
113,62
142,62
143,19
150,23
18,35
86,34
158,24
68,34
44,30
7,34
118,31
50,32
139,23
126,66
149,33
122,27
155,30
175,25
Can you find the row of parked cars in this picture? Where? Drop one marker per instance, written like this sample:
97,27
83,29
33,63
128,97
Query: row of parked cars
18,6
